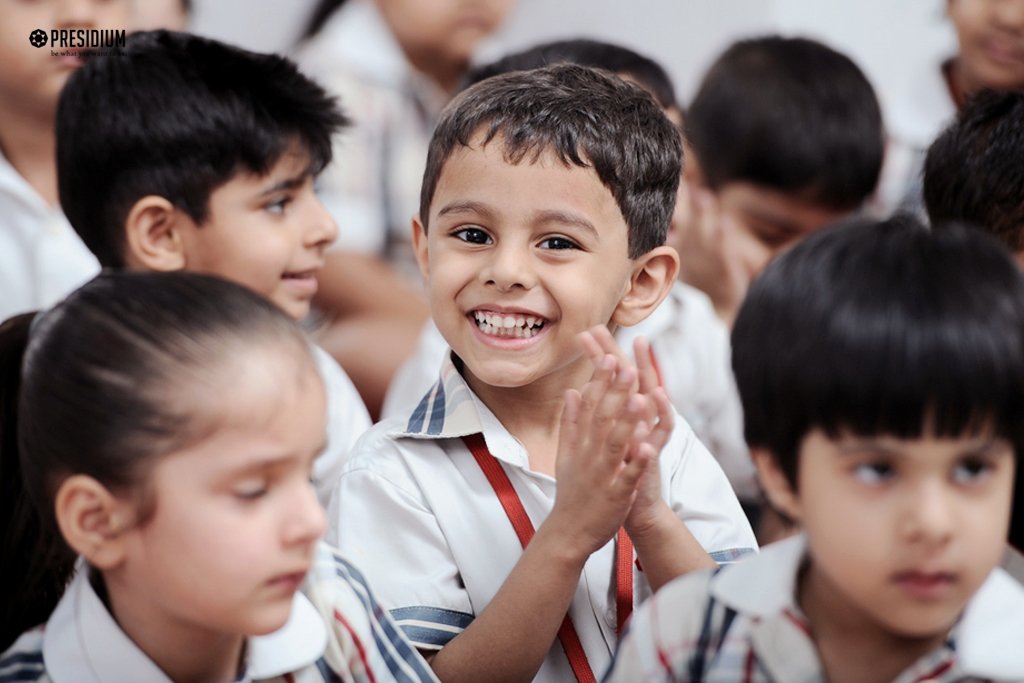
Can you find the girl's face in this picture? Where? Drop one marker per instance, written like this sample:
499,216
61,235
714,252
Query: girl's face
236,520
991,37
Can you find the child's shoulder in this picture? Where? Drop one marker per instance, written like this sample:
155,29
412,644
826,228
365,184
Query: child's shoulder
23,661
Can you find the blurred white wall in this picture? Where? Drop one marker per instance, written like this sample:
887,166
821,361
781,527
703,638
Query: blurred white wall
891,41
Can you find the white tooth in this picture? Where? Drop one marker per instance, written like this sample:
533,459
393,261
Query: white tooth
520,321
518,332
531,321
509,321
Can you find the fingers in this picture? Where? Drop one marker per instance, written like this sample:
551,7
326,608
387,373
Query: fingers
569,432
630,475
662,429
646,366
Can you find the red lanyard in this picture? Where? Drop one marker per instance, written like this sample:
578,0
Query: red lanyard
509,500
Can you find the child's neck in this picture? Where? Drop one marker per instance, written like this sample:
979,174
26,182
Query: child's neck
533,413
28,141
852,648
183,652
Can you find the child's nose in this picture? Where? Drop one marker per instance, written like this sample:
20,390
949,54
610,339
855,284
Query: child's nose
75,13
307,520
1010,14
930,516
510,266
322,229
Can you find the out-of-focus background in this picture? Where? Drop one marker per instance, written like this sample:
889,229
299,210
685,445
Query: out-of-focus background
891,41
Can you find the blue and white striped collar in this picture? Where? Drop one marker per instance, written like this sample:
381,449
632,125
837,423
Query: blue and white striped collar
450,410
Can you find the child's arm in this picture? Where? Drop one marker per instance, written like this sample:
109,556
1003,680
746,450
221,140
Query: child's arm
664,545
597,479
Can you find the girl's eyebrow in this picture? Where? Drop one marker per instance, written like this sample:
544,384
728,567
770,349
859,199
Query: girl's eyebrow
270,460
465,206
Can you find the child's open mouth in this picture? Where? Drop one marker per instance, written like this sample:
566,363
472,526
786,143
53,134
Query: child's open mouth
508,325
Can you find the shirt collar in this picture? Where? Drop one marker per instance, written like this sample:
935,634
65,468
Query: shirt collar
450,410
83,643
987,636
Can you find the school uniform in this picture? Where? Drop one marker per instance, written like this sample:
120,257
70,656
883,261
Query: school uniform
347,419
42,260
415,509
742,624
692,348
336,632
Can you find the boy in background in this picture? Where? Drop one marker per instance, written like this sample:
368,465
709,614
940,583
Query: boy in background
41,258
881,368
787,138
207,163
543,213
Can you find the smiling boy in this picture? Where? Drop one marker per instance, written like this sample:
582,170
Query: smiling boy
882,377
544,208
208,164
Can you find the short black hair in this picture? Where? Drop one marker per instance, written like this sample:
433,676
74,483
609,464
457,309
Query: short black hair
586,52
974,171
588,118
882,327
792,115
177,116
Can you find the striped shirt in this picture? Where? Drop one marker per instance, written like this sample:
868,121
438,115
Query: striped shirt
337,632
742,625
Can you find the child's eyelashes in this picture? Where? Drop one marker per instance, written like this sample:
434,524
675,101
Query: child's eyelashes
278,205
557,243
251,492
972,470
874,473
472,235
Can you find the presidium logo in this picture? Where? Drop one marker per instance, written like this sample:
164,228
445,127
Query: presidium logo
73,41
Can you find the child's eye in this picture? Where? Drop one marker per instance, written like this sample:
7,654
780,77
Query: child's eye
970,470
558,243
279,205
874,472
472,235
252,490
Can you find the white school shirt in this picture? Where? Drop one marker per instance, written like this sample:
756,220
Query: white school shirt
416,512
347,419
42,260
372,186
693,352
336,632
743,624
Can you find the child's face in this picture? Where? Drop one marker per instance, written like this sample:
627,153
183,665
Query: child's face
901,532
447,29
267,232
991,37
520,259
32,76
236,519
769,221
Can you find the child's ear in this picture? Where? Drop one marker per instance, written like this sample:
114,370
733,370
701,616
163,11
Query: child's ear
776,486
653,275
92,520
153,235
419,245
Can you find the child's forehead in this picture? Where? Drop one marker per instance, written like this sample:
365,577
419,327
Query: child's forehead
488,173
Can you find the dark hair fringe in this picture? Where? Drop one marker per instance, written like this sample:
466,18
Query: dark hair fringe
882,328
